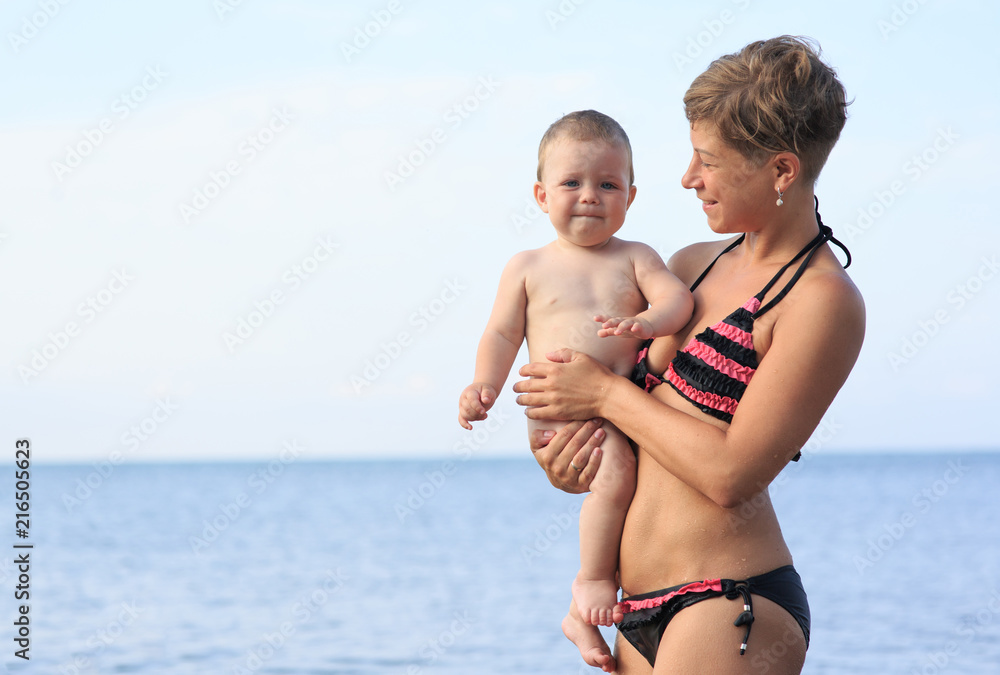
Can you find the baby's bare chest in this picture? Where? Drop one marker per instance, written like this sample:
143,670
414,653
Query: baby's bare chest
606,289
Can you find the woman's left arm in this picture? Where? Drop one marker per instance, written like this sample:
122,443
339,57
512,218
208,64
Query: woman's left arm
814,347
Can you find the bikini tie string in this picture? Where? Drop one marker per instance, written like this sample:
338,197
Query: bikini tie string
740,588
828,234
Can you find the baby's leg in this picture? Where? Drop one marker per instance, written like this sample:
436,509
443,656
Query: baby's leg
595,590
584,633
602,517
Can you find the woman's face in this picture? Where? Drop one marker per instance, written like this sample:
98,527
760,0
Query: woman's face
736,195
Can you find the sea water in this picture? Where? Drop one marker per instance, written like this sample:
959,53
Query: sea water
445,566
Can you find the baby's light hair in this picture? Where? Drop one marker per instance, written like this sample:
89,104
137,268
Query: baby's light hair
586,125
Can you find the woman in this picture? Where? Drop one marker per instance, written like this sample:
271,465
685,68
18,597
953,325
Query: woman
715,423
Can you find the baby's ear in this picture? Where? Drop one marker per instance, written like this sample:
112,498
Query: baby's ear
631,197
541,197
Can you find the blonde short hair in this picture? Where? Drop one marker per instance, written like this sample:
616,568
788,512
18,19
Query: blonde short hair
772,96
586,125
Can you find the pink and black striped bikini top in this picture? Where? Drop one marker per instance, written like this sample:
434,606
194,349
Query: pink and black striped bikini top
714,369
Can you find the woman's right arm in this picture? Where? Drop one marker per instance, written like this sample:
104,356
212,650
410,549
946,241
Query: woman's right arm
813,350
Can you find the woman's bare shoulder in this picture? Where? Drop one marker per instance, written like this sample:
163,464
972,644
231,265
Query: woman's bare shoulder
828,301
832,287
687,263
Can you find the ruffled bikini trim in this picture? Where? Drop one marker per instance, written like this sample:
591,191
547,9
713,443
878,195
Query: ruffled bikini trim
728,348
737,335
650,603
704,378
719,362
722,404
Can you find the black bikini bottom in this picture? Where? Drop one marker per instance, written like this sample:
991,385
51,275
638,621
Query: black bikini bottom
647,614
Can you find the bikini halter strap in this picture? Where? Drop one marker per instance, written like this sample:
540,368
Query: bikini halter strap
712,264
825,234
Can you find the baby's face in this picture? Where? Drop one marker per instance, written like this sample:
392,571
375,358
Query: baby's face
585,190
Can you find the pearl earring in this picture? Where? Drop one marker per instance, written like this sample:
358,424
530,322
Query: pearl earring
779,202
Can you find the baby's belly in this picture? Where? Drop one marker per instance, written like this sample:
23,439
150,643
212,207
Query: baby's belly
617,353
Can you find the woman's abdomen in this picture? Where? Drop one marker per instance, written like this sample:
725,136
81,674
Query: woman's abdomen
673,534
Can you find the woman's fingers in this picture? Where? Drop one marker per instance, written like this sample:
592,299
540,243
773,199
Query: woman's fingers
538,411
590,470
564,355
570,457
587,456
534,370
531,392
577,463
539,439
563,391
543,370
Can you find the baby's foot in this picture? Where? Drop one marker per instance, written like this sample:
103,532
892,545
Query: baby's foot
589,641
597,601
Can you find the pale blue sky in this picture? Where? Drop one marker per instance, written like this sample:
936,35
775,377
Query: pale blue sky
301,134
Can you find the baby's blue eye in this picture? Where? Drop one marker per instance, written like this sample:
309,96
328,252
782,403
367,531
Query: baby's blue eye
571,183
609,186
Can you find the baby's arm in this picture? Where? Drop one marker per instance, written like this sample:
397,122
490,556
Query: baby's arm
670,302
499,345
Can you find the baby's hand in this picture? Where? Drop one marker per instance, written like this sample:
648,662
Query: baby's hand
475,400
624,326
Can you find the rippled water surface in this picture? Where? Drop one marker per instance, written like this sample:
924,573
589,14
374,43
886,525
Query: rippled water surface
464,567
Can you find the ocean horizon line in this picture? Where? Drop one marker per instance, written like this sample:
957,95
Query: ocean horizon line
492,457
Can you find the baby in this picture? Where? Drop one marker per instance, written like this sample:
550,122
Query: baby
552,296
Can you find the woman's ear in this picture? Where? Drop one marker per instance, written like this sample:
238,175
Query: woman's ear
787,168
